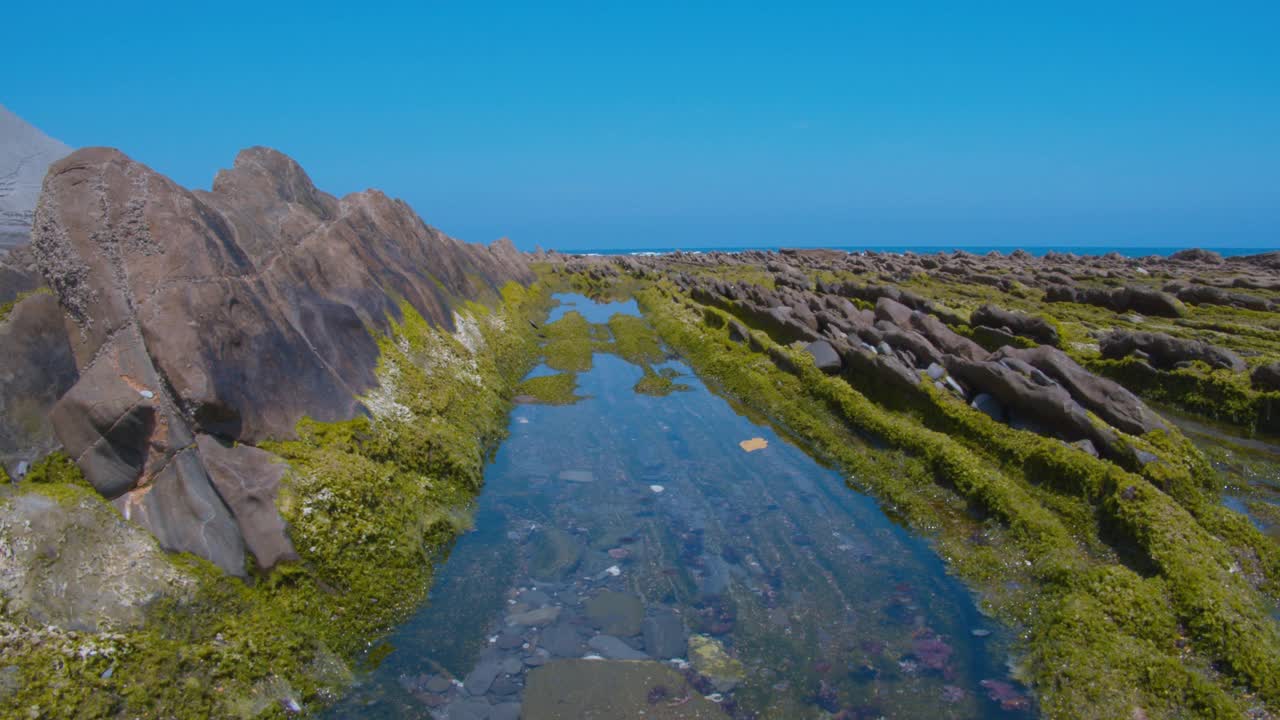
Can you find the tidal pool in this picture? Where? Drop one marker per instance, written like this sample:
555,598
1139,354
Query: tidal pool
636,528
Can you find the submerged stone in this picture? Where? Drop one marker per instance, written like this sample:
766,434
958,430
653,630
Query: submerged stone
556,555
709,657
574,689
616,613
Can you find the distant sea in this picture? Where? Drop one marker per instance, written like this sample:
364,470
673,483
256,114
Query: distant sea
926,249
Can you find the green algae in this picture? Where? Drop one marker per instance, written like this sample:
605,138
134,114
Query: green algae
557,389
569,344
658,383
7,308
370,502
1101,635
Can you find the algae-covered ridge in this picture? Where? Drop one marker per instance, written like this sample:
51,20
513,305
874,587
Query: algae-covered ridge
371,505
1136,593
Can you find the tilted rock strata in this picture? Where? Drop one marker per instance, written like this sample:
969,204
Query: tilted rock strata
198,319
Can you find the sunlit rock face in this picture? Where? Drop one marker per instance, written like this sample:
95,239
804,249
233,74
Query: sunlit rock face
198,319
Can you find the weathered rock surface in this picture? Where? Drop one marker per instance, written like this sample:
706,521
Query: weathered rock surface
36,368
1037,329
1144,300
1164,351
74,563
201,318
248,480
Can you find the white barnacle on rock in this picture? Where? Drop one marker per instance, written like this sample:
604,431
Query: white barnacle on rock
468,333
381,400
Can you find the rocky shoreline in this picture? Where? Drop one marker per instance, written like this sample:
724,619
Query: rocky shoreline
240,426
1034,468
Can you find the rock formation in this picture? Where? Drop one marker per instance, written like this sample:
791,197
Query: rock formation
204,322
25,154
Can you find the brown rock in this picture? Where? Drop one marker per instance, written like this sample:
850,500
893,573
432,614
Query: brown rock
248,480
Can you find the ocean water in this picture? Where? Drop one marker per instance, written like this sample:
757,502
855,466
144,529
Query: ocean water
639,526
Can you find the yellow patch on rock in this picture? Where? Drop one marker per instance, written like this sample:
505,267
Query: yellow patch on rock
754,444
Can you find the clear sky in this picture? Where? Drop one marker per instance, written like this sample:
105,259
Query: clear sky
643,124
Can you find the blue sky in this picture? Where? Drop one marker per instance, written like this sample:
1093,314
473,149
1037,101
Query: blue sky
700,124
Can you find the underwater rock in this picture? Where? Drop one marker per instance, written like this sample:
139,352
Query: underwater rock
535,618
664,636
615,649
576,689
562,640
616,613
557,553
709,658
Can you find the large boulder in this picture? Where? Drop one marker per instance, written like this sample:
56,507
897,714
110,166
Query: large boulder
1105,398
228,314
1165,351
1033,395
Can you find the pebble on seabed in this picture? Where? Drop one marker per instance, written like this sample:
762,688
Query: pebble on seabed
656,488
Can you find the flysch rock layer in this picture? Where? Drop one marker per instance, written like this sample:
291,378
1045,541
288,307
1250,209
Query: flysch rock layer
201,323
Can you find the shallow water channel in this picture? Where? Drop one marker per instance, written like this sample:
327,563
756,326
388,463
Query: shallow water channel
634,527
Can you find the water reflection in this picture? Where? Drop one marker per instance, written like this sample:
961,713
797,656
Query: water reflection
628,527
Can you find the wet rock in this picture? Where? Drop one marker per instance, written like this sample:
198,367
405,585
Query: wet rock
535,618
481,678
664,636
556,555
509,641
616,613
576,689
562,640
512,666
505,711
438,684
504,685
614,649
709,658
468,710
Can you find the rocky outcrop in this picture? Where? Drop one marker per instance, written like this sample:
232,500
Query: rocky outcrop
1016,323
201,319
1166,352
1144,300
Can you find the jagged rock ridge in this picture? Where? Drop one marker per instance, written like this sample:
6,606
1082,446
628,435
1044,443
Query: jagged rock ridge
199,320
25,154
